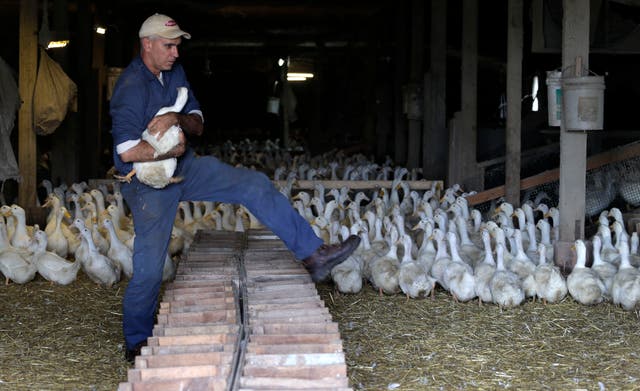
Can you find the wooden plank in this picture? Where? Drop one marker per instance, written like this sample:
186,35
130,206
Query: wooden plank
338,371
151,374
356,185
314,319
178,349
287,328
204,383
278,306
612,156
205,339
288,383
183,359
335,347
162,331
197,318
309,359
176,309
289,313
288,339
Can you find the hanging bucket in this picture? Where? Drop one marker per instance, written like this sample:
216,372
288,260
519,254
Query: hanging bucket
554,97
273,105
583,102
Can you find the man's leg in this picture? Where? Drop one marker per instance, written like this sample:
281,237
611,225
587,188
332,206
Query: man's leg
153,212
208,179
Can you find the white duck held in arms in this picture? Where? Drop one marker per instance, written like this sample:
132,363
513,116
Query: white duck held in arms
159,174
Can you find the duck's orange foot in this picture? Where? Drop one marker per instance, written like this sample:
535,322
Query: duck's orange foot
126,178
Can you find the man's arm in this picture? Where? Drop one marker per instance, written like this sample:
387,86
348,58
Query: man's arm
144,152
189,123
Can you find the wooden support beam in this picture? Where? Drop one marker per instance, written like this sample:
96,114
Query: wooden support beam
612,156
469,97
357,185
573,145
27,77
514,101
416,81
434,130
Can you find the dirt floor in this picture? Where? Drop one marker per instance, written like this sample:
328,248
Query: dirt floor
69,338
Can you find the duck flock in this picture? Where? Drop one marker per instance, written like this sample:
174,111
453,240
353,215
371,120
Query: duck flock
412,241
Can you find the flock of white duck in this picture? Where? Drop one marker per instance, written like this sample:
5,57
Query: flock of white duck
412,241
415,243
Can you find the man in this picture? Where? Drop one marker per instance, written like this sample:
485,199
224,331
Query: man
147,84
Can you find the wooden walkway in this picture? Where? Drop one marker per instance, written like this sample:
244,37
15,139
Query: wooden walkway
241,314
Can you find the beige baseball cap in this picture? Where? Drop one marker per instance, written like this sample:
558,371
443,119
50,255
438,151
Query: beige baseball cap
163,26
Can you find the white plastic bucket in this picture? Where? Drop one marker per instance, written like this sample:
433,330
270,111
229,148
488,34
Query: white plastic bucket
273,105
583,102
554,97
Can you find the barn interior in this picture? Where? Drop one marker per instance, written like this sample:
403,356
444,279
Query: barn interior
363,55
424,85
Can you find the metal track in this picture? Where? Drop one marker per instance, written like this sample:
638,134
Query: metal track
241,314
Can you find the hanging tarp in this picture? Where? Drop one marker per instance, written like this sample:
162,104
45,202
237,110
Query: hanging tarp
55,93
9,104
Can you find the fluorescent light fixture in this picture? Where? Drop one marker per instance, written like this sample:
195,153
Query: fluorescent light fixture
101,30
296,78
57,44
300,74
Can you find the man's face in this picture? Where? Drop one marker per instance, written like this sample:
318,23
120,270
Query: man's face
161,53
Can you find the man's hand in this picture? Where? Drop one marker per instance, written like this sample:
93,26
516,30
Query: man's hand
161,123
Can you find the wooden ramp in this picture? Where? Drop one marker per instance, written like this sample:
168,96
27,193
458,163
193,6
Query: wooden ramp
241,314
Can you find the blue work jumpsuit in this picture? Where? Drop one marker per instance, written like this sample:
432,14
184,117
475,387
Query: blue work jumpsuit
137,96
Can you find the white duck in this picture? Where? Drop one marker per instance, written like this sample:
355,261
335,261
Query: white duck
384,271
413,279
583,283
442,258
118,251
56,240
348,275
484,271
550,285
14,263
50,265
99,268
605,270
625,290
545,237
21,237
159,174
458,275
523,266
505,286
608,251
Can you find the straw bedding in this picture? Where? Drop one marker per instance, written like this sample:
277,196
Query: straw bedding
70,338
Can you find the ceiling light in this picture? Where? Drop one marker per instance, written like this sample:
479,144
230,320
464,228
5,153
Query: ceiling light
101,30
280,62
300,74
57,44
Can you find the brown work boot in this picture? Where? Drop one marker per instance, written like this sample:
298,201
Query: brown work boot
326,257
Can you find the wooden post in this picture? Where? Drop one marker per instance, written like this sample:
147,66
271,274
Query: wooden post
415,80
469,93
514,102
27,77
573,145
399,78
434,131
284,100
